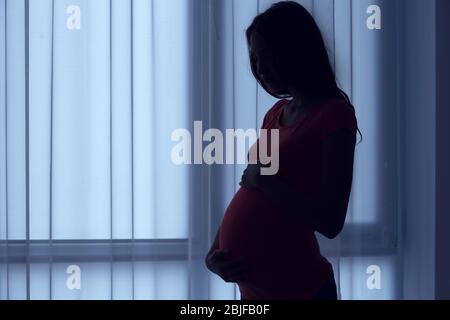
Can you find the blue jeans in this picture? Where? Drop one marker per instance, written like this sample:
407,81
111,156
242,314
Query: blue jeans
327,292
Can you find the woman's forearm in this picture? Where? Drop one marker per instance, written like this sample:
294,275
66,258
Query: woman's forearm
299,206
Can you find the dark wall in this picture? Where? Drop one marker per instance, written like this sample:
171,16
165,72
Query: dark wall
442,280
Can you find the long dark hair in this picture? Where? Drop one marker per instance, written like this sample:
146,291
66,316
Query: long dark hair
299,54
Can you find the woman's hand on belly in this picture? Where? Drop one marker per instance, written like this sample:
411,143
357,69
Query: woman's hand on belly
229,270
251,178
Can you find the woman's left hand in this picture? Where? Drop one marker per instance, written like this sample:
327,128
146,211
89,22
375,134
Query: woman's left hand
252,178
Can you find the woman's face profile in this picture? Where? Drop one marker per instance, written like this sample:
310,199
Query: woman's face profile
263,62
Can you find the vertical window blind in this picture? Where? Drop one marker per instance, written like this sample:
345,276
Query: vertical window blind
90,94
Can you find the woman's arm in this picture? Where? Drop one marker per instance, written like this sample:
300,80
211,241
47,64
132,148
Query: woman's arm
326,216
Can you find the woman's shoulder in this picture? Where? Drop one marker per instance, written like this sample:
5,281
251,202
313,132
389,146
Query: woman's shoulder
275,109
337,114
271,115
335,108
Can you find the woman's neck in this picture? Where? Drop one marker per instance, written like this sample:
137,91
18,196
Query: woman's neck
300,103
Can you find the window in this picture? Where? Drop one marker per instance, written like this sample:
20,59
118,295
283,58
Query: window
92,92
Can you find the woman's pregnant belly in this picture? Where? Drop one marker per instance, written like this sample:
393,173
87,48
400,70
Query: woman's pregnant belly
249,226
274,246
253,226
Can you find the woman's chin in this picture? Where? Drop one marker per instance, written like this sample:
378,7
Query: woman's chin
275,90
271,87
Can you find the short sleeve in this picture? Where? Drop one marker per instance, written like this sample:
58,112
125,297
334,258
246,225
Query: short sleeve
265,120
270,114
338,116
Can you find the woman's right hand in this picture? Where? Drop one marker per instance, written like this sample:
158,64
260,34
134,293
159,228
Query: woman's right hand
218,262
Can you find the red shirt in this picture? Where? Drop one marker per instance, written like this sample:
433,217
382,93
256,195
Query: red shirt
284,256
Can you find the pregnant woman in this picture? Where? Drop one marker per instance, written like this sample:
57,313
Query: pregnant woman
266,242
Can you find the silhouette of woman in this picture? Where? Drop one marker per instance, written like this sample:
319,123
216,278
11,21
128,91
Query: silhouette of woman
266,242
